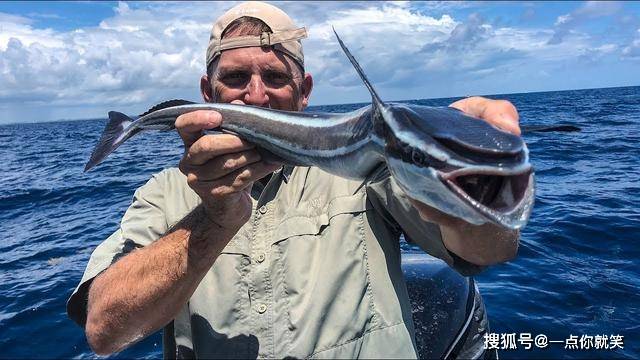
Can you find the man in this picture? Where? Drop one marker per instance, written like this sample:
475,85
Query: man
245,258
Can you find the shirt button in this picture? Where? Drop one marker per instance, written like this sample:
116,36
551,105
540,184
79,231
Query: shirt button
262,308
263,209
246,261
260,258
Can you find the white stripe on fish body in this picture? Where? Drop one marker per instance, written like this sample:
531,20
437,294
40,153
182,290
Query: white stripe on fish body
355,160
433,149
311,153
292,118
410,138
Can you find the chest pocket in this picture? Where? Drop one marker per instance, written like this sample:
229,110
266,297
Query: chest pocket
311,217
321,256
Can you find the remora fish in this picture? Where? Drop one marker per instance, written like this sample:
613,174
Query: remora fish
439,156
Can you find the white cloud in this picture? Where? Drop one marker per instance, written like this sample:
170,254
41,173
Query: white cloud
13,19
160,47
566,23
154,51
383,38
18,27
632,50
44,16
593,9
142,50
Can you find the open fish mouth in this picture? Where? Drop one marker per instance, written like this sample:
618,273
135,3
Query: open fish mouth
495,194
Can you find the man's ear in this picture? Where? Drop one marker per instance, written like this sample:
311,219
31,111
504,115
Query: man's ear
205,89
307,86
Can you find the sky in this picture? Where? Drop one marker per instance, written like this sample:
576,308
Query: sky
79,60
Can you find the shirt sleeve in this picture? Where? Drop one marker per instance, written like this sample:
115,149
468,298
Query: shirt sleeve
143,222
393,205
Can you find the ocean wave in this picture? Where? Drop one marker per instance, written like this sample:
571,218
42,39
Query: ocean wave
576,272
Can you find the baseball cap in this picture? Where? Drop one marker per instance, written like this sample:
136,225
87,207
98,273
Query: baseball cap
285,36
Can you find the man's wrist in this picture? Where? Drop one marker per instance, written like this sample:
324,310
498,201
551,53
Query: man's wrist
205,238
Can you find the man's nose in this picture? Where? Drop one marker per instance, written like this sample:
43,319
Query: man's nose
256,93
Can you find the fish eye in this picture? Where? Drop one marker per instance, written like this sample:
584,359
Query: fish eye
417,157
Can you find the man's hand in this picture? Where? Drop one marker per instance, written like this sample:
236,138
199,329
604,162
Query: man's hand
499,113
220,168
485,244
145,289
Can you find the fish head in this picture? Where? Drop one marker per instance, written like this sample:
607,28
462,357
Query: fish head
459,165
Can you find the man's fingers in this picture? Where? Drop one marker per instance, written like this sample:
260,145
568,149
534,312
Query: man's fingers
210,146
236,181
221,166
241,178
190,125
500,113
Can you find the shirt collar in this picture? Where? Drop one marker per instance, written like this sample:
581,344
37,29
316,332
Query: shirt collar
285,172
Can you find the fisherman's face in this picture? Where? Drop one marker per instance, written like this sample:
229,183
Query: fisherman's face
260,77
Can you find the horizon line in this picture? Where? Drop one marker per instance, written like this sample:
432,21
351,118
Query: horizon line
356,103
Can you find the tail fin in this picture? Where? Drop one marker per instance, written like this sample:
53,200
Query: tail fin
118,130
376,99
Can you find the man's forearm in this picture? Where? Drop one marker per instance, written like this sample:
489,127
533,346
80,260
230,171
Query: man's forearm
144,290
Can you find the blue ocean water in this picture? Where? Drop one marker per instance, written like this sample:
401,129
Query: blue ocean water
576,273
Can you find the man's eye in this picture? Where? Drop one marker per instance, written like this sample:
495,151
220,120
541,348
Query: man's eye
277,78
234,78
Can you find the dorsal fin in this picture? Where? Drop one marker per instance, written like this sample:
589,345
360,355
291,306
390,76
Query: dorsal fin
376,99
166,104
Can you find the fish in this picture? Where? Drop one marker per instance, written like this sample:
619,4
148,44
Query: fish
550,128
439,156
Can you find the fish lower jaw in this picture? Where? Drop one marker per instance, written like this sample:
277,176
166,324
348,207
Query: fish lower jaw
504,199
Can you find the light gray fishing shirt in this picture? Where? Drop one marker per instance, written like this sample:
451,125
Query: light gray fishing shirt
314,273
